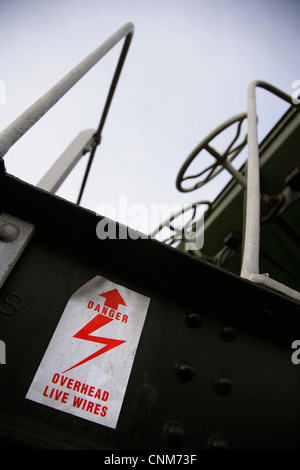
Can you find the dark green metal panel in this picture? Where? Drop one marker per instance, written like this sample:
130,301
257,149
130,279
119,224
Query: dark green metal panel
213,367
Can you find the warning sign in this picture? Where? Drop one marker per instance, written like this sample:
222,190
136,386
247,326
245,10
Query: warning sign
86,367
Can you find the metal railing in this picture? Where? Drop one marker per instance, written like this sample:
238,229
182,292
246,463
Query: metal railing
31,116
251,184
250,260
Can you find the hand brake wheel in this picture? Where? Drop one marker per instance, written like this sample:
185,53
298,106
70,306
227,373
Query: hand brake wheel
223,160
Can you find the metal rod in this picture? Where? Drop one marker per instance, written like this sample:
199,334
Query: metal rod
235,173
250,262
28,118
105,111
87,170
228,166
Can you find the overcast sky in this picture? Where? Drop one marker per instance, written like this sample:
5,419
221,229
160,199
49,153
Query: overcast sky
187,71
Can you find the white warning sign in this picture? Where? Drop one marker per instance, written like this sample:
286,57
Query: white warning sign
86,367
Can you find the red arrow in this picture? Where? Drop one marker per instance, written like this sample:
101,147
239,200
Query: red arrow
113,299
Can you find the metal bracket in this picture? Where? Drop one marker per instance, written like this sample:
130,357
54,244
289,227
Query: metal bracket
67,161
14,237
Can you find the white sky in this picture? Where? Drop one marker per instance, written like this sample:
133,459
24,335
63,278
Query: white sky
187,71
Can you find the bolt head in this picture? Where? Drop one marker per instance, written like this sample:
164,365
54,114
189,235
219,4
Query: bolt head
216,442
193,319
173,434
223,384
184,371
228,333
9,232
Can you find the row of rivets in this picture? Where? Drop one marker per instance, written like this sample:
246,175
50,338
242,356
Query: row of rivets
173,431
173,434
193,320
184,372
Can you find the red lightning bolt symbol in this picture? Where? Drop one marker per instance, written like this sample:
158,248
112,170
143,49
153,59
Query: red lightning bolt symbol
85,333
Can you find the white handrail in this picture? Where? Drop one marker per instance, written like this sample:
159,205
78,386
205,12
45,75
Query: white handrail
28,118
250,261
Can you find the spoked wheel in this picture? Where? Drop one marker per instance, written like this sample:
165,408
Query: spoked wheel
181,232
222,160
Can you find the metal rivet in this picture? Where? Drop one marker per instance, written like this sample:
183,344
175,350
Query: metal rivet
193,319
9,232
173,434
184,371
216,442
228,333
223,384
